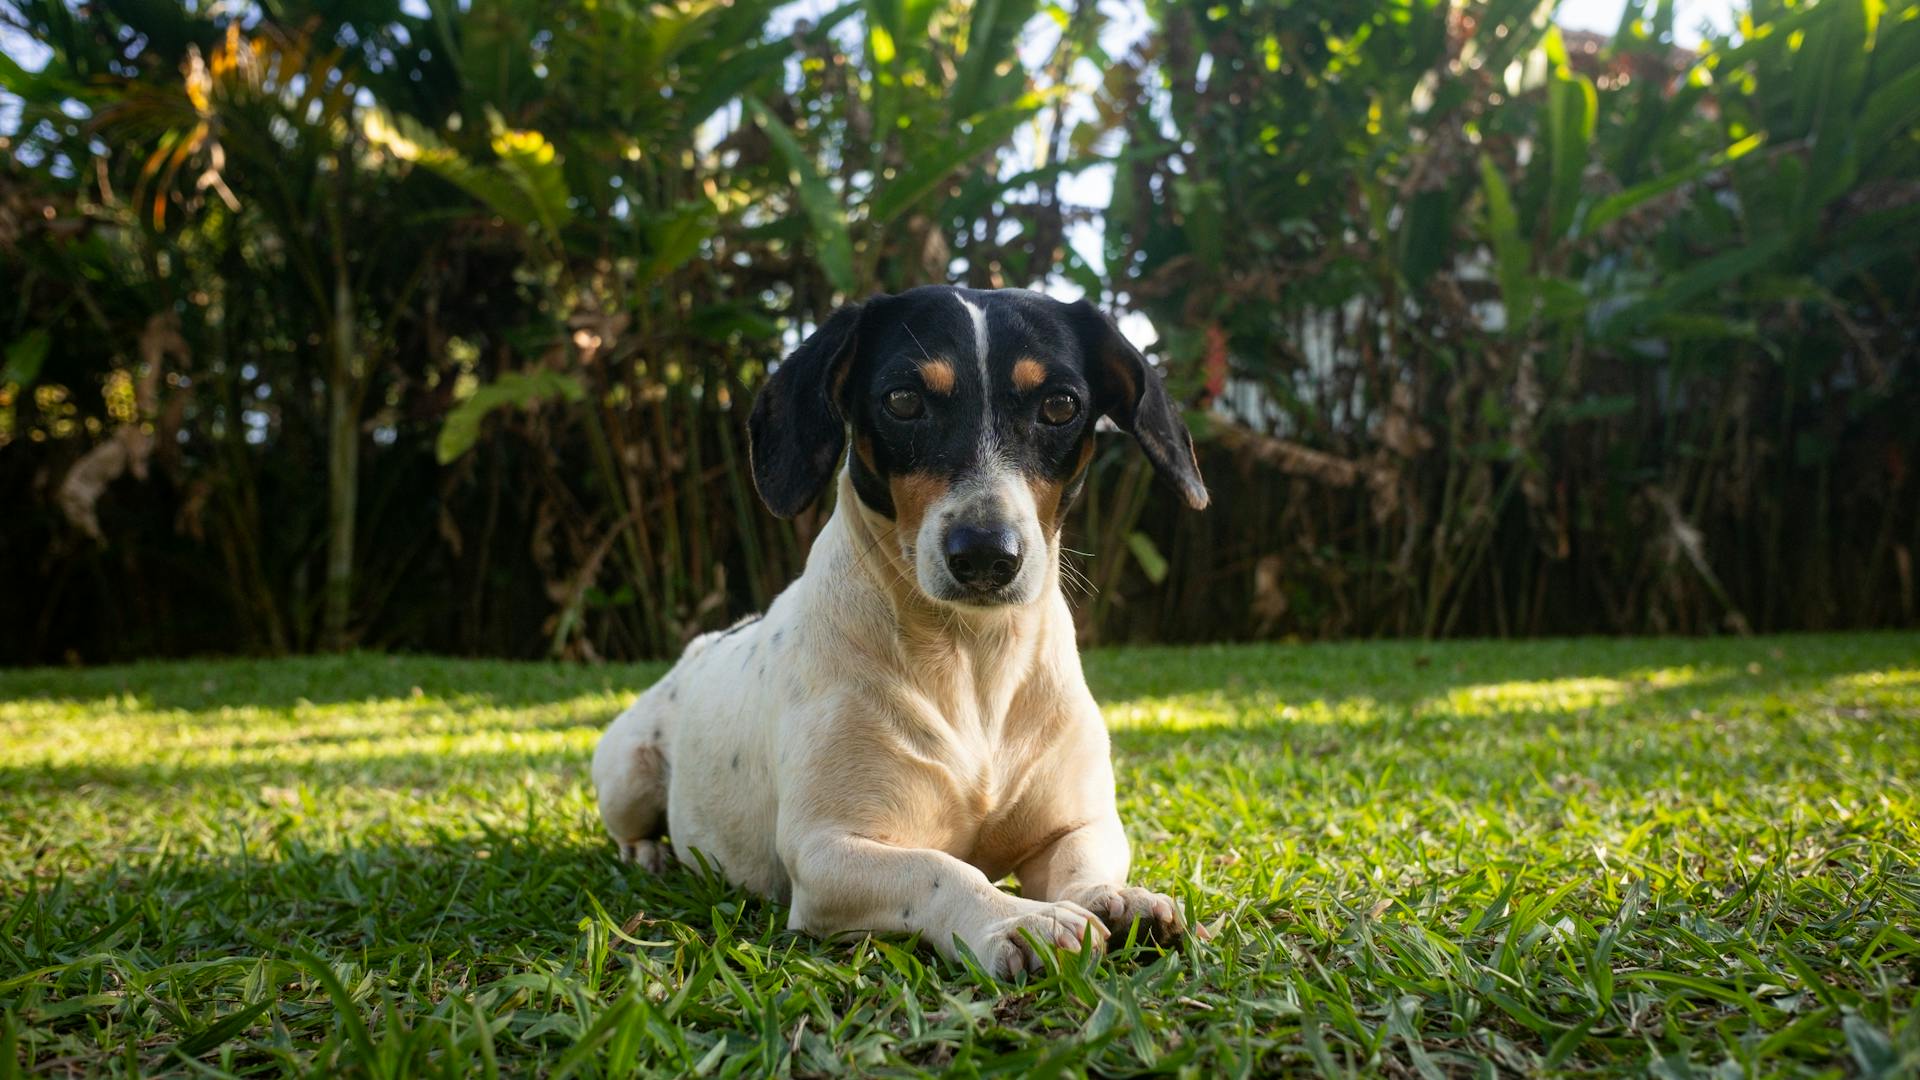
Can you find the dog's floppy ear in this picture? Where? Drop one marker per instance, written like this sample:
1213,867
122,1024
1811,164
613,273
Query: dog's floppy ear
1128,389
797,432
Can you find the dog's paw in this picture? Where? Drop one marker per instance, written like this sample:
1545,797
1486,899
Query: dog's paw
1005,951
1120,906
648,855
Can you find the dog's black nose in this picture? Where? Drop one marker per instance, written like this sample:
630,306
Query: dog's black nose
982,559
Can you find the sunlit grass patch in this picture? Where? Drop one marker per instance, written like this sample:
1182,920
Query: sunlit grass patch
1212,709
304,733
1870,680
1605,857
1535,696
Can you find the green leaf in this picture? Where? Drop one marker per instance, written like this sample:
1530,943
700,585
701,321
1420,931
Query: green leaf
1826,69
676,238
37,87
223,1029
611,1019
1510,254
409,140
1425,235
1613,207
880,45
25,355
525,186
1148,556
735,75
532,163
1569,1041
1560,300
989,131
1702,326
1675,291
974,63
833,246
1890,110
1871,1048
462,427
1200,218
345,1009
1571,108
9,1047
719,322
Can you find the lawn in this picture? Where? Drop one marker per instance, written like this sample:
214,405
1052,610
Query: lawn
1683,857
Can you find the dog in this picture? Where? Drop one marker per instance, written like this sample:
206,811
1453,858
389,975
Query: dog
908,723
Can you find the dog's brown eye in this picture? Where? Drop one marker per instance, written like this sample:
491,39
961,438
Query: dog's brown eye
1059,409
905,404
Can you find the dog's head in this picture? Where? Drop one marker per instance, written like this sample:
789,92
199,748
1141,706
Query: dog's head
972,418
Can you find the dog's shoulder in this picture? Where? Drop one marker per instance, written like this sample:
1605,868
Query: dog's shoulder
707,640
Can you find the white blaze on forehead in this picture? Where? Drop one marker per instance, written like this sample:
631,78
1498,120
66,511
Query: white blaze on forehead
979,316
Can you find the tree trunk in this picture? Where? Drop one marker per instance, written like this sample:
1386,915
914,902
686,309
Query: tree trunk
343,440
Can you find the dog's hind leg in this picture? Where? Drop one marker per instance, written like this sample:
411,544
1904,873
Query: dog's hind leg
630,776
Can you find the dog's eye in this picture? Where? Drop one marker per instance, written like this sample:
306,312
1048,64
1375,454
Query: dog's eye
905,404
1059,409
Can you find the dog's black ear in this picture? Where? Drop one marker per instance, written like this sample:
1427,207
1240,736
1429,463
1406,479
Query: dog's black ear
797,433
1128,389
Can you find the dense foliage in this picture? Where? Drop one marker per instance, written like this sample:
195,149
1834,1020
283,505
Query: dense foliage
1537,334
430,325
347,235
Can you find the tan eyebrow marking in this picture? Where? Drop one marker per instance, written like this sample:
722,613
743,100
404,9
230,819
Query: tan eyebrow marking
1029,373
938,375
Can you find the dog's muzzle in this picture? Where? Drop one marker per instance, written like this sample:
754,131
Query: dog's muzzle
982,560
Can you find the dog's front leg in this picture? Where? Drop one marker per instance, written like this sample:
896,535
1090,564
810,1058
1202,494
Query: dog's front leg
1087,866
843,882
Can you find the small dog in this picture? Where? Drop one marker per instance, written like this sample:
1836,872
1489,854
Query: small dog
908,722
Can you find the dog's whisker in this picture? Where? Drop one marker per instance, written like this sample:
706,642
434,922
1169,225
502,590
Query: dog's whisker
916,339
1074,577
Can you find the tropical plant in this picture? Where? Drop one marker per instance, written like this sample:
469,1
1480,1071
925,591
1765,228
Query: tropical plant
551,262
1491,329
1541,334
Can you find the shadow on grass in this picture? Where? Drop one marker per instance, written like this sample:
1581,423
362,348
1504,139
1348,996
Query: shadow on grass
1320,701
196,686
1327,696
1388,671
463,903
1407,672
377,770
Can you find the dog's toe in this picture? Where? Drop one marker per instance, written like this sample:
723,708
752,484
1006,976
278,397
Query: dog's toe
1005,950
1123,905
648,855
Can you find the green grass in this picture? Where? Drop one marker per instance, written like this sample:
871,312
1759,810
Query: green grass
1689,858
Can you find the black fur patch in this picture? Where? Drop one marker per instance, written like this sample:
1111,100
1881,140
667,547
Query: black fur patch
841,377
